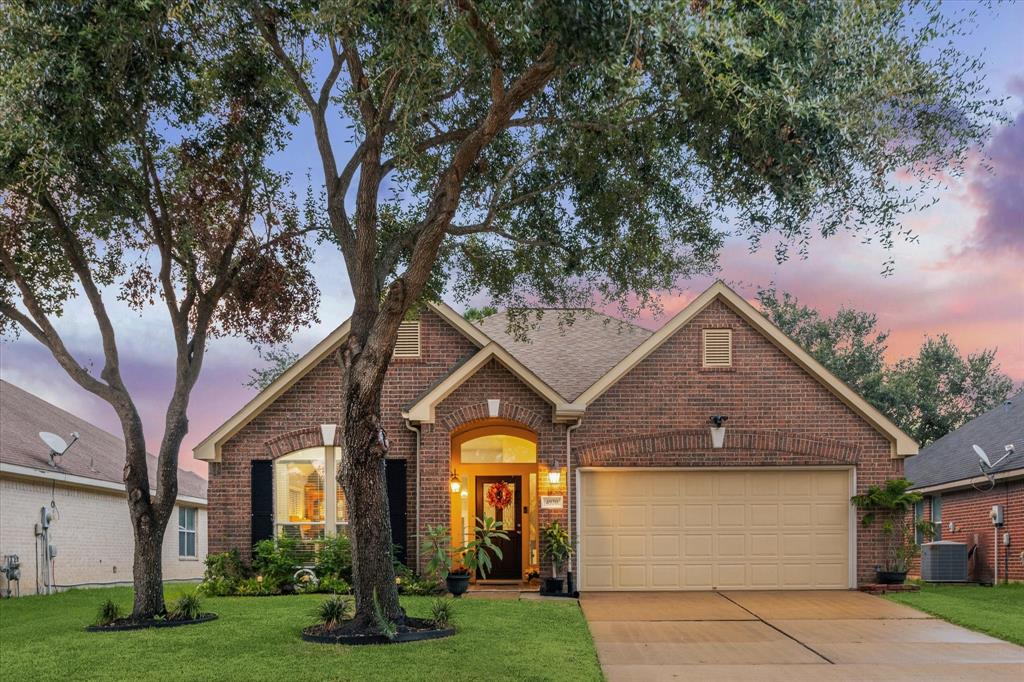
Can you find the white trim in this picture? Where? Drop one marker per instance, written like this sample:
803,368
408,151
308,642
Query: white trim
852,522
82,481
970,482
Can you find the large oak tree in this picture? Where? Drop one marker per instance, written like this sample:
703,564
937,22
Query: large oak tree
563,153
133,142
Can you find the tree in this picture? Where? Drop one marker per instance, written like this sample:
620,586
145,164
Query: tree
928,395
562,152
474,314
133,143
277,361
940,390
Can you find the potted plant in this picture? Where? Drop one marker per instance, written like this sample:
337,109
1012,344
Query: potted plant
557,548
475,555
892,505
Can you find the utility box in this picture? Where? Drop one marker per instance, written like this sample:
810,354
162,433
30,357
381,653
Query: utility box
944,562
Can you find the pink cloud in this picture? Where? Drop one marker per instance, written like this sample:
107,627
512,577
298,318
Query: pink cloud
999,194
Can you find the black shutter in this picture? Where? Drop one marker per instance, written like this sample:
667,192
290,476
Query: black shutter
394,473
262,500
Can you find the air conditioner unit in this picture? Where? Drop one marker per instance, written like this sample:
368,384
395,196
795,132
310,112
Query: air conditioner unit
944,562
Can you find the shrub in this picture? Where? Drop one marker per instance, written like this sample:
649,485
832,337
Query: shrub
109,613
334,585
334,558
421,586
276,560
217,587
224,571
332,612
258,586
185,608
442,612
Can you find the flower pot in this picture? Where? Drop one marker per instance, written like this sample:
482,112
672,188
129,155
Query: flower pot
457,583
891,577
552,586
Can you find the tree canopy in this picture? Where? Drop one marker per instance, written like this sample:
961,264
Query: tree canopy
927,395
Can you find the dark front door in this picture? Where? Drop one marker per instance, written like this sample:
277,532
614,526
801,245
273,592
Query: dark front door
509,566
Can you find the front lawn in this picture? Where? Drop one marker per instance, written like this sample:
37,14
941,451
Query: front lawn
257,638
997,611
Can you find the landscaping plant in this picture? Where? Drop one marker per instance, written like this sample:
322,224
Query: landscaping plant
186,607
442,613
333,611
557,545
109,613
276,560
334,558
476,554
891,506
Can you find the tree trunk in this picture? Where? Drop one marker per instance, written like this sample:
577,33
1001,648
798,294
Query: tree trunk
362,477
148,567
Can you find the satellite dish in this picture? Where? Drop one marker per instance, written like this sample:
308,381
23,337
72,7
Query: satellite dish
982,455
56,444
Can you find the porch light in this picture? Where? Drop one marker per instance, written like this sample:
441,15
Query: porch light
554,476
718,431
328,431
456,484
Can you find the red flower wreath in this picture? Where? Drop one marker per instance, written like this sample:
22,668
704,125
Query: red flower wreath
499,495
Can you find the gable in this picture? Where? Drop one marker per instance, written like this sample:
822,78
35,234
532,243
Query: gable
209,448
750,318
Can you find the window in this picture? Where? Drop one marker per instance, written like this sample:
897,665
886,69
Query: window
308,502
408,343
499,449
718,348
918,517
937,517
186,532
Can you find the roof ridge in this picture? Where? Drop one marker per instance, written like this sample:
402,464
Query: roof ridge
591,311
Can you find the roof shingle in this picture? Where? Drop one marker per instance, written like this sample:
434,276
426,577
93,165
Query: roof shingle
97,454
951,458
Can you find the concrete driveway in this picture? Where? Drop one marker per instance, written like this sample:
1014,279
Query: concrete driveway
790,636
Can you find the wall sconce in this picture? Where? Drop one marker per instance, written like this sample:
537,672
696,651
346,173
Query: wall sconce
718,431
328,431
554,476
455,484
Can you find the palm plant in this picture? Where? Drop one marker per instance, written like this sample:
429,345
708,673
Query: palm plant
476,554
892,505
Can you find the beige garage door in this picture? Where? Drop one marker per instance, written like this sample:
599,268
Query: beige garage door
700,530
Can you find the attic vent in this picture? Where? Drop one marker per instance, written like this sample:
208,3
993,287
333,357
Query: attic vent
408,344
718,348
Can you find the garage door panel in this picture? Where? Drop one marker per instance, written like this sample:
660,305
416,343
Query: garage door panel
779,529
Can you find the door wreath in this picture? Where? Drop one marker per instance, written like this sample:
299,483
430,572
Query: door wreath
499,495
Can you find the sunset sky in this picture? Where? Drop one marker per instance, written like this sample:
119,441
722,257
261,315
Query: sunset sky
964,276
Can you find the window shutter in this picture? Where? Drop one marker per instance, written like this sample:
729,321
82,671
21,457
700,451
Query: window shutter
394,473
408,344
262,491
718,348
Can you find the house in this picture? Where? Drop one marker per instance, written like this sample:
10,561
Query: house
600,425
82,493
959,496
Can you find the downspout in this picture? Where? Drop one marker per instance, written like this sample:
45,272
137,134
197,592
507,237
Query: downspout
568,489
416,430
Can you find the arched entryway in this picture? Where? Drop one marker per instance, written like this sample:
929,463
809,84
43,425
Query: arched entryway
491,453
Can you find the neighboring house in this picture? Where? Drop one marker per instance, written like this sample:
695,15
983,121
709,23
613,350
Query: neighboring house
91,530
958,498
600,425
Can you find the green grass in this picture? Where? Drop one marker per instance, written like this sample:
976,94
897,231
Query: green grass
257,638
997,611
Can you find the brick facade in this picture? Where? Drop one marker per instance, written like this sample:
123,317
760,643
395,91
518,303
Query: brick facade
656,415
968,510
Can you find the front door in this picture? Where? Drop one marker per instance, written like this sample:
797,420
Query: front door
508,567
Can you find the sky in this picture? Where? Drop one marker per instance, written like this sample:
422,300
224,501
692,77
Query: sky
964,276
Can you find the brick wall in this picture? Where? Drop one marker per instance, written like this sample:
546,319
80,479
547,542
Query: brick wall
778,415
312,401
968,510
92,533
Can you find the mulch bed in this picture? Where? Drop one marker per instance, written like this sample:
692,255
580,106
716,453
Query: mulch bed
414,630
879,588
124,624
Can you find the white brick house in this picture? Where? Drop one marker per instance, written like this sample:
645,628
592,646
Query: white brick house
83,494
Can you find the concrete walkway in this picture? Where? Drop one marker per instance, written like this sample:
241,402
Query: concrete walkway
790,636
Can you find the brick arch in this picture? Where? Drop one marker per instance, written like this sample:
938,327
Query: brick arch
508,410
299,439
692,447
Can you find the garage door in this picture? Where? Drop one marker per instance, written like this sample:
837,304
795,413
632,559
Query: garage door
699,530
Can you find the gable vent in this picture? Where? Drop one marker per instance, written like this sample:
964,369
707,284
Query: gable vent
718,348
408,344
